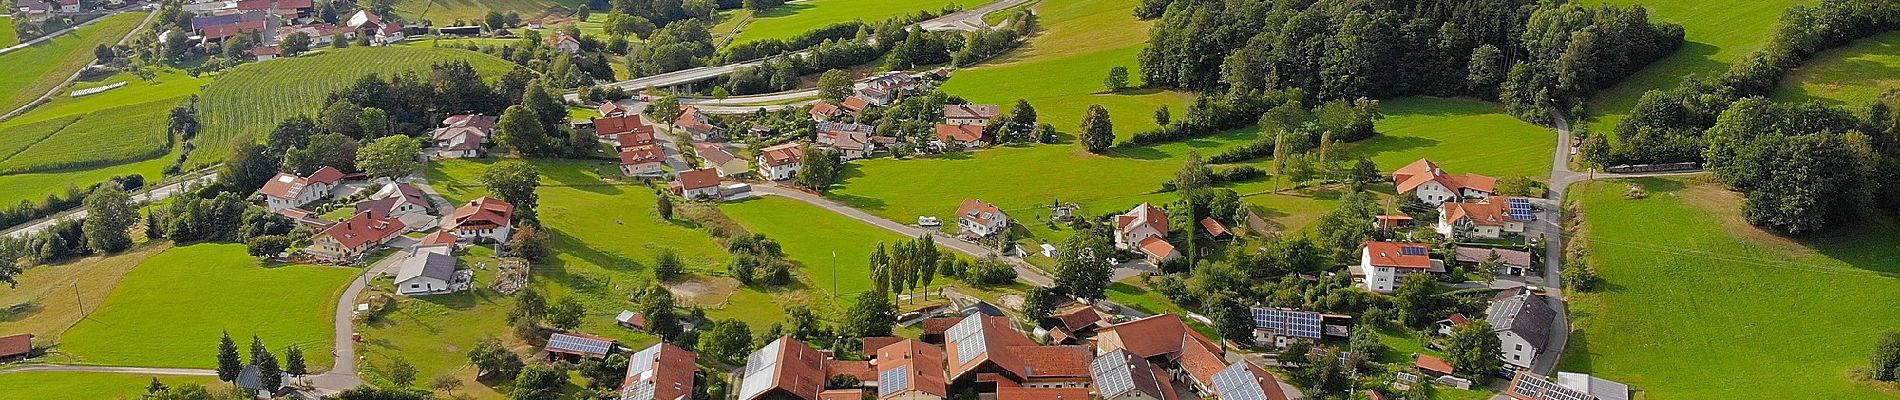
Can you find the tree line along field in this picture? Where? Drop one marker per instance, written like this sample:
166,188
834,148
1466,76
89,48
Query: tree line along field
793,18
1717,34
171,309
252,98
89,385
1697,303
444,12
35,69
1854,75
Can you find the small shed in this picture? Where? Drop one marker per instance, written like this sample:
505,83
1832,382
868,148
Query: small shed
631,320
576,346
16,347
1432,366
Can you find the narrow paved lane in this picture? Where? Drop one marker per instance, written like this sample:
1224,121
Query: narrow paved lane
154,195
1025,271
109,369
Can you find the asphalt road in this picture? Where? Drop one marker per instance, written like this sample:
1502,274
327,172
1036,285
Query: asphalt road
1025,271
153,195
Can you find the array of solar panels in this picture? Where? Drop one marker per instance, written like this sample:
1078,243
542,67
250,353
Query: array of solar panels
576,344
1414,250
968,336
893,381
1237,383
643,361
639,391
763,360
1521,209
1303,324
845,126
1113,376
1544,389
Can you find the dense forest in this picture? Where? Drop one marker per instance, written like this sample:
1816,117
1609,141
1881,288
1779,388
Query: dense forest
1527,54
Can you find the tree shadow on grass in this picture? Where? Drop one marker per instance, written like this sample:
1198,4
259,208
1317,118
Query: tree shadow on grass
1382,144
1137,152
1577,356
858,202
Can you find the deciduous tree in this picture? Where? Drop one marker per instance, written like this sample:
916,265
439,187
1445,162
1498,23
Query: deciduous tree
390,156
1098,131
109,221
513,181
520,129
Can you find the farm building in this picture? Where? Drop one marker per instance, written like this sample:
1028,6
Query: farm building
910,370
575,346
356,237
953,136
698,124
970,114
1433,185
1122,376
784,369
1510,262
16,347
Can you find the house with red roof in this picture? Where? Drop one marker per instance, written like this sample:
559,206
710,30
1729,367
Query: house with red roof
566,44
1145,229
951,136
1384,264
291,191
855,105
463,136
910,370
611,126
660,372
612,108
698,124
380,30
824,112
781,162
351,239
1432,184
1488,218
981,218
987,352
784,369
648,160
697,184
487,218
16,347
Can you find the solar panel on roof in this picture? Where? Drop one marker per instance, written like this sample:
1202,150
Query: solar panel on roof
1237,383
1412,250
970,347
1304,324
1541,388
578,344
893,381
1112,374
764,358
643,361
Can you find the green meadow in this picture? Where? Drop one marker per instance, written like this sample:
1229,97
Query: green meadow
1697,303
832,249
797,17
7,36
432,332
36,69
91,385
84,140
52,288
1461,135
443,12
1718,33
1853,75
252,98
171,309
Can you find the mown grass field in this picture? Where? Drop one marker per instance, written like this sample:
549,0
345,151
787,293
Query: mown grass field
1461,135
51,290
170,310
33,70
1718,33
1854,75
141,106
252,98
444,12
91,385
36,186
105,137
1759,315
798,17
7,36
834,250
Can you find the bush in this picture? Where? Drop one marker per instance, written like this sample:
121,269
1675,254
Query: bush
989,272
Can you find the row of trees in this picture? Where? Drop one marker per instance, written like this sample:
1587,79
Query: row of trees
230,363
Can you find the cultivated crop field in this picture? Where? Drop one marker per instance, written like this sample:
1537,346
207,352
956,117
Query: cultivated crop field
797,17
1853,75
111,136
170,310
1717,34
1688,279
33,70
92,385
253,97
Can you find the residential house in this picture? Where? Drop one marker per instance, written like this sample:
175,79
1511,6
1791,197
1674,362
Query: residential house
1384,264
719,158
1167,341
380,31
697,184
403,201
35,10
855,105
321,34
16,347
951,136
981,218
1451,323
1568,386
824,112
264,53
784,369
217,33
486,218
305,218
648,160
851,145
1243,380
1145,229
1073,326
290,191
698,124
1432,184
781,162
575,347
612,108
828,131
611,127
987,352
429,270
356,237
1523,321
69,6
636,139
1281,326
1489,218
566,44
970,114
463,136
1122,376
1510,261
885,89
660,372
1391,223
442,237
910,370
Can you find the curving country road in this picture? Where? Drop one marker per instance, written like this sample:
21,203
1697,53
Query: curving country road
1028,273
156,194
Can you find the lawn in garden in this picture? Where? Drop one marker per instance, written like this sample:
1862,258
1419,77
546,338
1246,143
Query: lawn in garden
1718,33
33,70
1461,135
1761,315
171,309
60,295
92,385
252,98
793,18
1854,75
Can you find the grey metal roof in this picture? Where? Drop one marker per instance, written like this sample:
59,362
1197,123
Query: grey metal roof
251,377
1526,314
427,264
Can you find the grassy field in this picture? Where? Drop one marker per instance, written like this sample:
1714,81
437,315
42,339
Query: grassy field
169,311
36,186
90,385
253,97
1853,75
110,136
432,332
57,292
140,107
443,12
34,70
833,249
1761,315
797,17
1461,135
7,36
1718,33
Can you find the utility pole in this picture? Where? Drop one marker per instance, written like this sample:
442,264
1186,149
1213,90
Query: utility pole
81,300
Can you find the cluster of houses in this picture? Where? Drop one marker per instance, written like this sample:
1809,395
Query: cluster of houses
40,10
216,21
1143,229
961,128
1469,206
642,153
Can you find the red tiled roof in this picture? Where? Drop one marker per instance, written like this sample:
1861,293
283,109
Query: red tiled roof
799,371
699,179
1506,256
253,5
486,212
637,155
16,345
860,369
233,29
1143,215
471,120
780,155
363,228
959,133
937,325
872,344
611,109
1433,364
1054,361
999,339
634,139
1495,211
611,126
1156,247
1201,364
1459,319
824,110
671,373
327,174
713,153
1079,317
264,51
855,104
441,237
1022,393
1423,170
294,4
924,362
1392,254
1214,227
1163,334
841,394
978,210
1374,395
